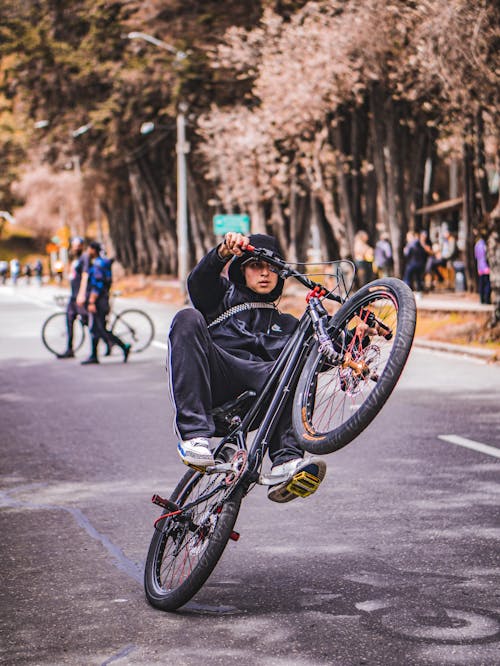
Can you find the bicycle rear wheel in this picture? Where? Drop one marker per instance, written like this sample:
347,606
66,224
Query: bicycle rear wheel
55,334
185,549
336,400
134,327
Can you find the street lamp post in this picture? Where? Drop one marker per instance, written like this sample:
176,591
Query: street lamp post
182,149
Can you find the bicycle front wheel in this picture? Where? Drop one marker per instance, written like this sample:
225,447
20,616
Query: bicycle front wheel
336,399
55,334
185,548
134,327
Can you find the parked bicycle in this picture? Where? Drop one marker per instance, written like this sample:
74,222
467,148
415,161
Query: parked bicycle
133,326
340,369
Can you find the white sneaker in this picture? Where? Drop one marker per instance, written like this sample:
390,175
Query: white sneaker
196,452
303,476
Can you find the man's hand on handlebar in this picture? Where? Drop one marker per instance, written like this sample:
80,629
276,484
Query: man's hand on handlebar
234,244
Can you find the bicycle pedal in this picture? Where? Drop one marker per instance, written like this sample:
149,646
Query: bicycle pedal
202,470
303,484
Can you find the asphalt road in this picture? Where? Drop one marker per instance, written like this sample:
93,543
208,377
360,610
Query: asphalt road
393,561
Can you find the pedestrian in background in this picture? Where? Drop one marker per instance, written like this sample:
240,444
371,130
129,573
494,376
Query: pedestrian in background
483,270
434,265
415,263
425,242
363,258
4,269
79,264
27,273
15,269
38,270
383,259
96,281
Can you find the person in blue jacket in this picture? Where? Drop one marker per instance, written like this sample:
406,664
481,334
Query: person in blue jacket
218,350
98,283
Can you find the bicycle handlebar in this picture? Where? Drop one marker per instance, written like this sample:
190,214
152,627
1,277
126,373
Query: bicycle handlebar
285,271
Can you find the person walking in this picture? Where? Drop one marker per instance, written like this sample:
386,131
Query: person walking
4,269
483,270
79,264
383,259
15,269
416,257
96,283
38,269
28,272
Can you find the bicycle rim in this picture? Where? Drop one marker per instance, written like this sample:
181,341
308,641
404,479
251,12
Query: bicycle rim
335,401
134,327
185,549
55,335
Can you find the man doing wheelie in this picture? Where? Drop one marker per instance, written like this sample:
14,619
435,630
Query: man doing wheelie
227,344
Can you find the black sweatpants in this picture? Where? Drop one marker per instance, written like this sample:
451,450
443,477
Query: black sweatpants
72,312
98,330
203,376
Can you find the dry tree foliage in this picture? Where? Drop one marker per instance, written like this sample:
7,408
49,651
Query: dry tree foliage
435,56
52,200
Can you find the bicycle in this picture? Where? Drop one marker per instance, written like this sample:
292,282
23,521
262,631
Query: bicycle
133,326
340,368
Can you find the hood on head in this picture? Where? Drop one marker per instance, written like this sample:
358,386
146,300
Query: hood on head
235,272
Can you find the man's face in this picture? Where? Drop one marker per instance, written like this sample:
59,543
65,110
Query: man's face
76,249
259,277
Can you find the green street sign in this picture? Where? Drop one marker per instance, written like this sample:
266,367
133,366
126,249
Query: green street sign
237,223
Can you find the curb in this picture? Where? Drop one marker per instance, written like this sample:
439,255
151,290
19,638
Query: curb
490,355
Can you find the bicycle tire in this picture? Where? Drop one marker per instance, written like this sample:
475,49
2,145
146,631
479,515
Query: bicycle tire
333,402
55,334
134,327
179,562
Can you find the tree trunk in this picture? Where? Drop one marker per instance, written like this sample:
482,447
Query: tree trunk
356,179
494,261
154,232
482,176
394,169
377,132
338,229
117,205
202,237
294,211
279,226
469,205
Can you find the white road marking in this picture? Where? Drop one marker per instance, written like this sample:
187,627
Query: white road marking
471,444
160,345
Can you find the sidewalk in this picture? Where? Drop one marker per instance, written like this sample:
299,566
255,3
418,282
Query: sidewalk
452,302
457,323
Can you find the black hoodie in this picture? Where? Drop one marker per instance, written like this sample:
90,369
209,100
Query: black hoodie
256,334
